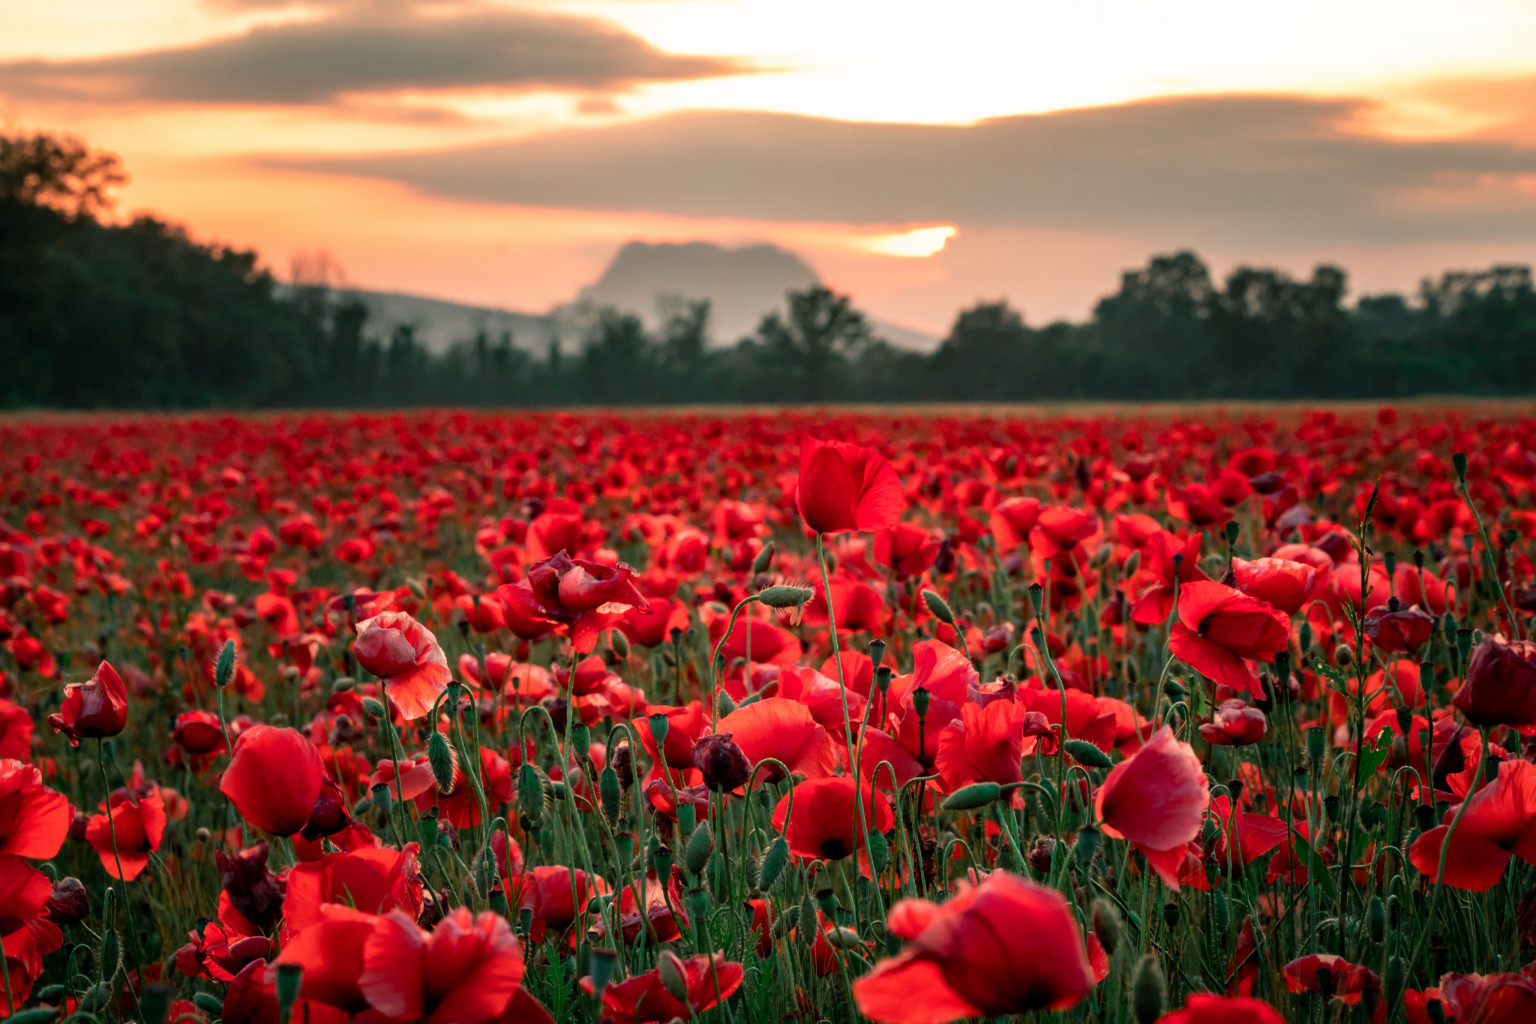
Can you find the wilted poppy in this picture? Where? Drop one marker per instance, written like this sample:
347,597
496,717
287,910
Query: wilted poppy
93,709
845,487
1500,684
1004,947
1156,799
406,656
578,596
274,778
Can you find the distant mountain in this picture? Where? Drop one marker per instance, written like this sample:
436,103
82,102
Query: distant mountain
645,279
438,324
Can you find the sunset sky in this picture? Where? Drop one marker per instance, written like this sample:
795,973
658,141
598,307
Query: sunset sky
918,155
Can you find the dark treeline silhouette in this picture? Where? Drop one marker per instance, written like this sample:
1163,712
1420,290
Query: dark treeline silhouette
139,315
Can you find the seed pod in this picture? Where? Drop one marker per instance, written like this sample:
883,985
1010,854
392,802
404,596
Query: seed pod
1149,993
443,760
289,977
879,849
700,845
1086,846
601,965
976,795
373,706
224,668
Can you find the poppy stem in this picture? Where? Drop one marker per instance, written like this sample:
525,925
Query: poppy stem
133,928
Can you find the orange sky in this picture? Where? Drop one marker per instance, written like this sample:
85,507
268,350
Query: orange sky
489,152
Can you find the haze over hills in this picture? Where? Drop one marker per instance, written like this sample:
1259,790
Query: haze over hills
741,284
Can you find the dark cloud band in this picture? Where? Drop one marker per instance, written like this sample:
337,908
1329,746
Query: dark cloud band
372,49
1284,169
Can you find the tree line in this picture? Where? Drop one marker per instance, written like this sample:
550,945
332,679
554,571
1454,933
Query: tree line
139,315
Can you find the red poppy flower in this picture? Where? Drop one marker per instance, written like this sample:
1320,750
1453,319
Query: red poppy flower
374,880
198,733
1218,628
330,951
33,818
274,778
844,487
644,998
96,708
1489,998
1284,584
463,972
1234,724
580,597
1500,685
685,725
986,743
653,627
1331,976
1004,947
1011,520
1201,1008
1499,823
908,548
1156,799
784,730
1399,631
557,896
139,825
824,819
15,731
406,656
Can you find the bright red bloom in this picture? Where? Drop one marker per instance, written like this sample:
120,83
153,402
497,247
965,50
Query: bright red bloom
198,733
406,656
986,743
1011,520
824,819
907,548
96,708
785,730
463,972
1156,799
577,596
1006,946
557,896
274,778
1499,823
15,731
685,725
845,487
139,824
644,999
1279,582
1500,685
1218,628
1201,1008
1489,998
330,951
33,818
375,880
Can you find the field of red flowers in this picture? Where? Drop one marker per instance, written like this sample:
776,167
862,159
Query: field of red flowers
461,718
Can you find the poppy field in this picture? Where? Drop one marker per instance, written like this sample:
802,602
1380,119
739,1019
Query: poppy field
742,718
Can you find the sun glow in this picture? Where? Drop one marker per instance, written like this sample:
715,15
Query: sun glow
915,244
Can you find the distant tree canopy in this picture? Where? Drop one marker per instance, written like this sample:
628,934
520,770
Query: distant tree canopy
138,315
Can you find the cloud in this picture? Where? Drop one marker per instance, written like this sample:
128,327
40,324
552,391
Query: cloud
372,48
1235,168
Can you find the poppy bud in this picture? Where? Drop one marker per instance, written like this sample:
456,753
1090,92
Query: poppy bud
674,977
601,966
772,864
1087,754
661,861
1464,643
1149,993
939,607
1377,920
70,903
1086,846
224,668
879,850
443,761
723,702
784,596
843,938
532,799
1232,531
618,643
1459,462
700,845
1107,925
612,796
208,1003
373,706
763,560
721,762
1397,975
972,797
